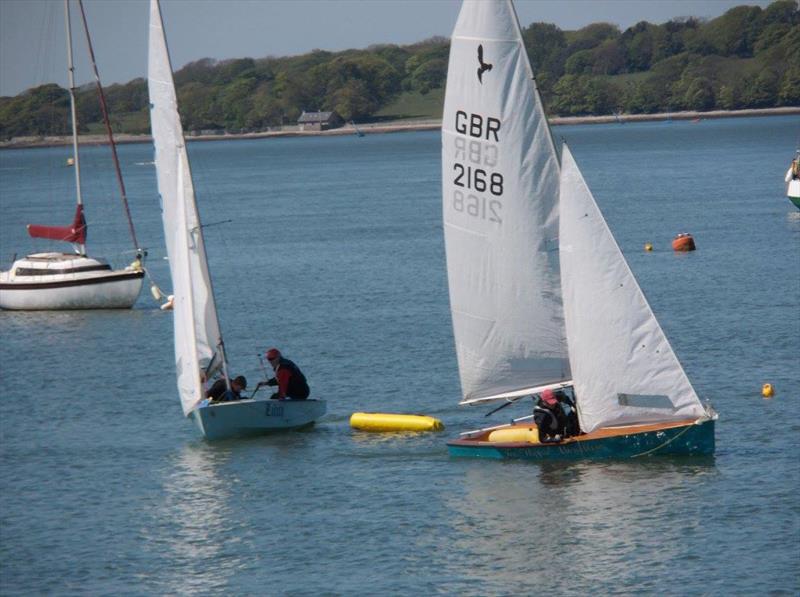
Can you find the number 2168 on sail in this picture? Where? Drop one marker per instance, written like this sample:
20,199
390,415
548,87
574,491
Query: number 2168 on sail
477,179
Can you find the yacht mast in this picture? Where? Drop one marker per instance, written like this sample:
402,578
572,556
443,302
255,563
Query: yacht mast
73,111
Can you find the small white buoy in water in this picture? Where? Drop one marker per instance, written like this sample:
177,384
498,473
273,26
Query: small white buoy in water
767,391
169,304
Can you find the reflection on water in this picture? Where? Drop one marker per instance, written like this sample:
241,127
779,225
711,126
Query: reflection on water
575,527
196,523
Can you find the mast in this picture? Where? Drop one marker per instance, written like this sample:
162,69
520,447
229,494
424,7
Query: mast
533,80
107,121
73,111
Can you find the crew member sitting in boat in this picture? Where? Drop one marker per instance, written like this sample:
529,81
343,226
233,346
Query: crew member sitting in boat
555,416
567,404
219,392
291,382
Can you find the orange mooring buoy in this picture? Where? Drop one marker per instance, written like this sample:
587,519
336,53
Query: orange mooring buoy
683,242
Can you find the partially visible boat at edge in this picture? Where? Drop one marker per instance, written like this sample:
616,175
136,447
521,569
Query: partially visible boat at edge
199,348
56,281
793,181
540,294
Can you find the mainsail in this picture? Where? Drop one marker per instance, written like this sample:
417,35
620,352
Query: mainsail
623,367
198,342
500,206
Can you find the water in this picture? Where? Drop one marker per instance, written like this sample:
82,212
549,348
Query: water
335,254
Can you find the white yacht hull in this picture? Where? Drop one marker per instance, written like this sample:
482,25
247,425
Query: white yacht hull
54,281
255,417
793,191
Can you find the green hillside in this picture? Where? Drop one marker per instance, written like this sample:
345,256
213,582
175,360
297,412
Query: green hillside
747,58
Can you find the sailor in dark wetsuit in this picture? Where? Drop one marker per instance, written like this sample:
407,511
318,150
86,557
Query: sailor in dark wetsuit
291,382
549,417
219,391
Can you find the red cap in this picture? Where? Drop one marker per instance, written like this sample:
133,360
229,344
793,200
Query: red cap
273,353
548,396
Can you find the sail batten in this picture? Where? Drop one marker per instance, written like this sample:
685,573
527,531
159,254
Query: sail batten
198,339
500,211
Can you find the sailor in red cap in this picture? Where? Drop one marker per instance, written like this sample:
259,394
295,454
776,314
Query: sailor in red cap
549,417
291,382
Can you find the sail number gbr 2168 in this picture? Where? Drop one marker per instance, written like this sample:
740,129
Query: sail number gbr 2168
478,187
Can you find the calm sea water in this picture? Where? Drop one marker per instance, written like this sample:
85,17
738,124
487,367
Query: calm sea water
331,248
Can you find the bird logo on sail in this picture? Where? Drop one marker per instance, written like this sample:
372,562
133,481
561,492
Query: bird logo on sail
484,66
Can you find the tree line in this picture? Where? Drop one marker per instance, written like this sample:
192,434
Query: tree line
747,58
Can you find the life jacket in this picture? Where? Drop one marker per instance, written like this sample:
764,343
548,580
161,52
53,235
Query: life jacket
298,386
547,421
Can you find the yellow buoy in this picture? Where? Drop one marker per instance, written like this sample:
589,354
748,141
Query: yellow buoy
767,391
393,422
648,246
515,434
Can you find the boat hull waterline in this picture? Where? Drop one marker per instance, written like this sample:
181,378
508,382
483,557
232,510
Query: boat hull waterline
255,417
689,438
101,290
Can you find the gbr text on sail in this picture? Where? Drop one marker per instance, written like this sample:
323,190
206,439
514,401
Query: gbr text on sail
478,186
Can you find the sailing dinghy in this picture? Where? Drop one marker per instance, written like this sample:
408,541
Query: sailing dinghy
199,349
55,281
793,181
540,294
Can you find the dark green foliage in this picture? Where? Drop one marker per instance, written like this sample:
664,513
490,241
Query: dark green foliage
42,110
748,57
735,32
591,36
789,93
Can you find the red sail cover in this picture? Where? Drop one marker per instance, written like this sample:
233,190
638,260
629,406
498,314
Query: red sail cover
76,233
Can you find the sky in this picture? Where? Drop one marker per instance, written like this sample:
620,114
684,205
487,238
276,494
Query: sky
32,37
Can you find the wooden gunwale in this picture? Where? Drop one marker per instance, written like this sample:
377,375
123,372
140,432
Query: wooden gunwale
594,435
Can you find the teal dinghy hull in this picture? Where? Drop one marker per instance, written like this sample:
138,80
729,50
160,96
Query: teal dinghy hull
692,439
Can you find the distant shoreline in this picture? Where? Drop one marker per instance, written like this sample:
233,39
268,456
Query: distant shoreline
396,127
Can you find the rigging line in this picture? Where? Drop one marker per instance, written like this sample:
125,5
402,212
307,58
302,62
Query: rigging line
43,52
666,443
196,228
107,122
153,284
508,402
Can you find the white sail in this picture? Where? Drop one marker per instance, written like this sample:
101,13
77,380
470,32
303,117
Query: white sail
198,342
500,208
624,370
